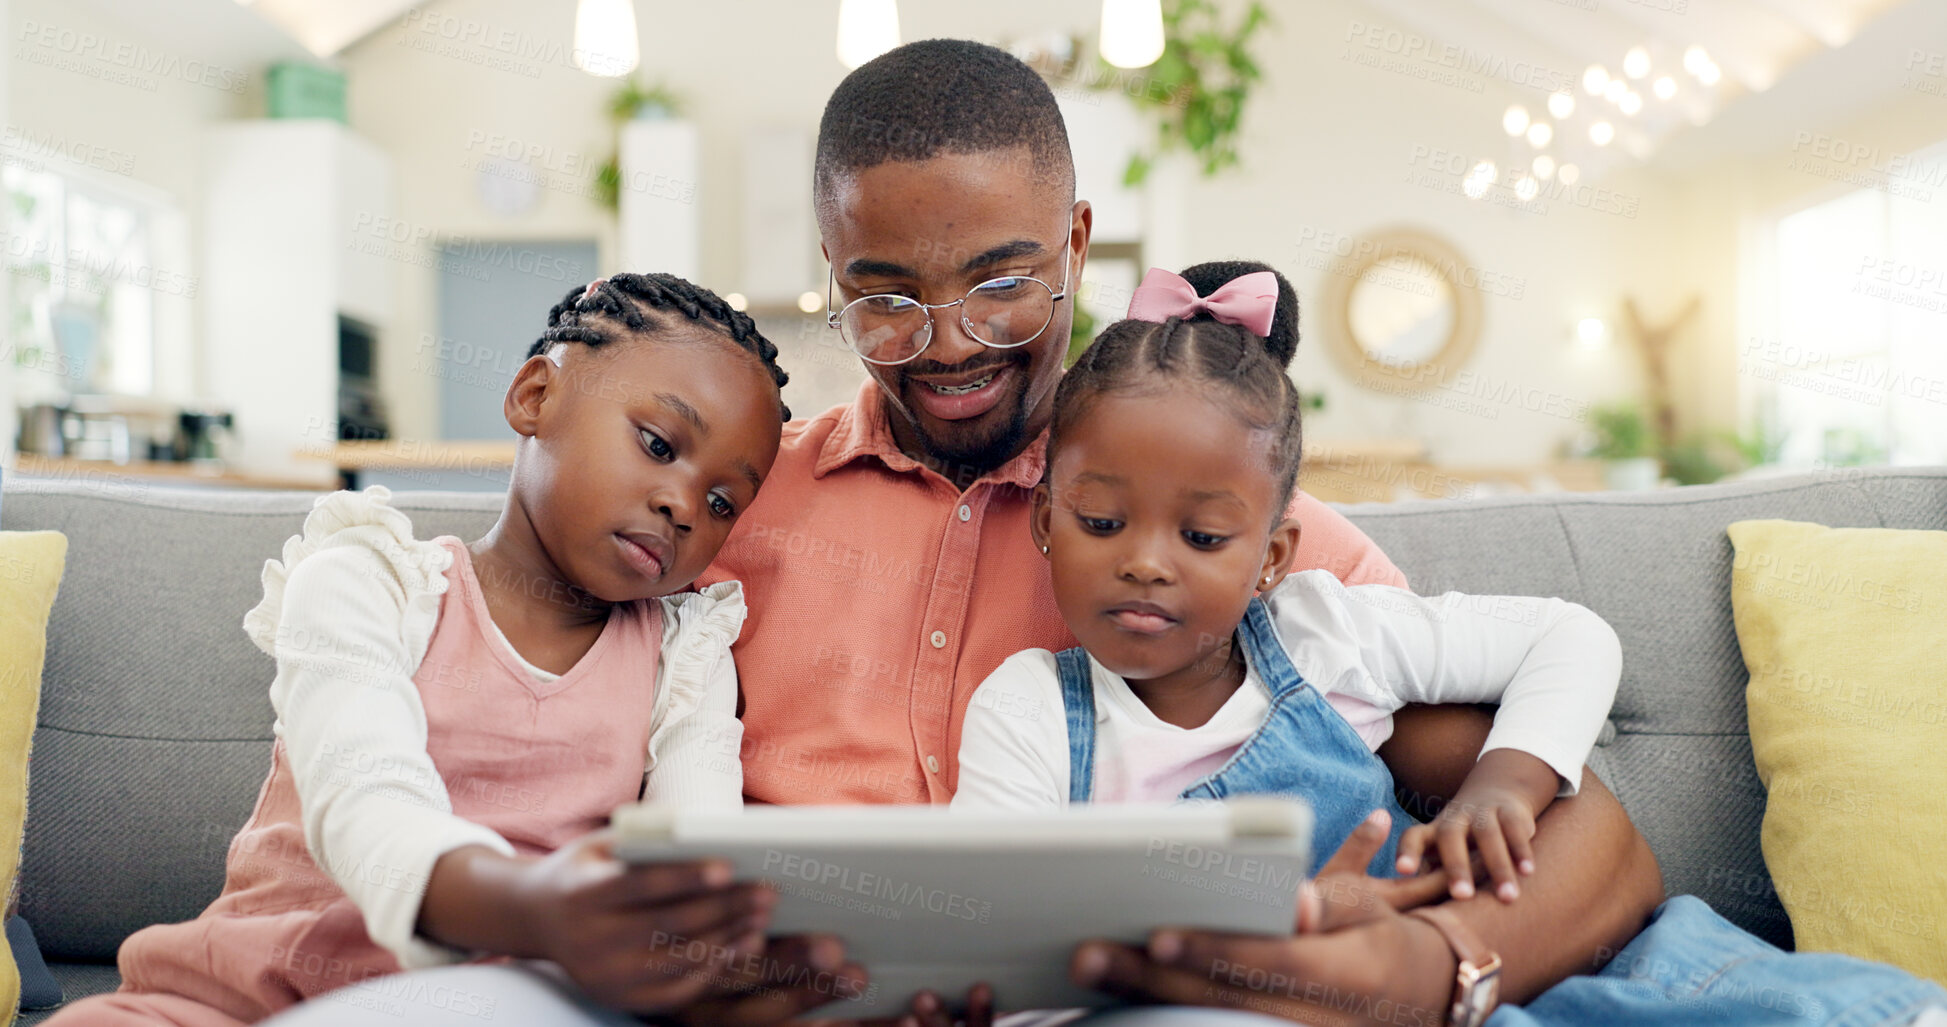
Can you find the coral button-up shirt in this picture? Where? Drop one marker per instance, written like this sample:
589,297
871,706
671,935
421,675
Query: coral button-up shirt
881,595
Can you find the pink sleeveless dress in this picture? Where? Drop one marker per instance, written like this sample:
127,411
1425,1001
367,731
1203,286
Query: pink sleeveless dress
541,763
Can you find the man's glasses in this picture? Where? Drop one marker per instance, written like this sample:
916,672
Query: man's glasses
1000,313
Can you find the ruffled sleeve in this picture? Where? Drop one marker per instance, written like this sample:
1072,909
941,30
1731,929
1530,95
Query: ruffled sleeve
694,736
367,520
348,613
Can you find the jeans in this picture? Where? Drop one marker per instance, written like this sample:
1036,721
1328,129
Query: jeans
1691,966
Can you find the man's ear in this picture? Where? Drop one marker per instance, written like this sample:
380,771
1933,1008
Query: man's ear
1081,225
1041,514
526,396
1277,555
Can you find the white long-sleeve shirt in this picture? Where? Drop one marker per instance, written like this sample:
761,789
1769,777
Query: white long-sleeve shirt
1369,649
358,578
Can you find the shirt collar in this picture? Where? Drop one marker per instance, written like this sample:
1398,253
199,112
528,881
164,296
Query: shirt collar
863,431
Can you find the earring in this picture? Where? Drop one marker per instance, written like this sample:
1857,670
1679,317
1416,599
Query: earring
1044,550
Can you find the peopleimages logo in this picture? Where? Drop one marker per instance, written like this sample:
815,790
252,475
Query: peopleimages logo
827,874
1459,60
128,57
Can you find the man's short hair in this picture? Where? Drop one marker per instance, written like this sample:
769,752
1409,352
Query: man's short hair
939,96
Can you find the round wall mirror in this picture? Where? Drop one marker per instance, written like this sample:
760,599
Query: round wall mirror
1396,313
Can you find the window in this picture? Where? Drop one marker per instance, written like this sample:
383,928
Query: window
1856,369
85,283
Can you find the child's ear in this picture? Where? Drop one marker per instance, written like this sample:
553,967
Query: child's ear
522,406
1277,555
1041,515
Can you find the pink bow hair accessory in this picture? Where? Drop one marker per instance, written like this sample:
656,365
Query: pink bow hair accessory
1248,301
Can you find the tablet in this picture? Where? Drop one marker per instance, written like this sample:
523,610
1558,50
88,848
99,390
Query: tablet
929,897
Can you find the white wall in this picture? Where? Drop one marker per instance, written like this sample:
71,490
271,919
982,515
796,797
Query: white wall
1328,154
1728,206
106,102
1327,144
1331,154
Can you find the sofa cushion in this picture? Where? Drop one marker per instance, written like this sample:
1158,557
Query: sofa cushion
30,576
1842,632
1657,566
78,981
156,721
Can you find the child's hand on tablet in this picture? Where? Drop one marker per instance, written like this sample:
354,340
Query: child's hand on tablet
1493,814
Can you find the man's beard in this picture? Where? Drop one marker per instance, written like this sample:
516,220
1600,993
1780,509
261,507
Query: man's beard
967,453
971,457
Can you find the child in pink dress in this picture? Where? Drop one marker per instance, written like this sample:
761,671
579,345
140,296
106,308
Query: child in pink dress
456,721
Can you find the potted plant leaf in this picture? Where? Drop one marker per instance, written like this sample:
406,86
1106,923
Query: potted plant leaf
1623,442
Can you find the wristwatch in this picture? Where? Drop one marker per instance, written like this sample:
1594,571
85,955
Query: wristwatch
1477,983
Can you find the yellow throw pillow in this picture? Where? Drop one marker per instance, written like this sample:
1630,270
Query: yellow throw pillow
1844,631
30,570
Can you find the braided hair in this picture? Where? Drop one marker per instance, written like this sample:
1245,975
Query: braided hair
1138,358
591,314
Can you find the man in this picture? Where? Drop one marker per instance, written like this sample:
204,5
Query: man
888,560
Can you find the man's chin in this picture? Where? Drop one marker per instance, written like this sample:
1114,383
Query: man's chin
980,443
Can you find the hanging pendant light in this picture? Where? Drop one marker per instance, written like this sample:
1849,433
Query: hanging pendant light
605,38
1132,32
866,29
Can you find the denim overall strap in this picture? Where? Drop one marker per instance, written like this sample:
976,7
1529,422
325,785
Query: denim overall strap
1305,748
1078,698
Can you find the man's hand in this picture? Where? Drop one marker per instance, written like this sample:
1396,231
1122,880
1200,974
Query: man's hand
1356,960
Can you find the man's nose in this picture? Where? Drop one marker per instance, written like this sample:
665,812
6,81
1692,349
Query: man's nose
951,343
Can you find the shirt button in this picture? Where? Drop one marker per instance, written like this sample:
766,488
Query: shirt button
933,764
966,512
939,640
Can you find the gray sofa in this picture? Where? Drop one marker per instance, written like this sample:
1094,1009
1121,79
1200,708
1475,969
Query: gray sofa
154,729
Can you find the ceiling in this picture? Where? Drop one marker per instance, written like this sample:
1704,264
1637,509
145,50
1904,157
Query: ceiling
327,26
1757,44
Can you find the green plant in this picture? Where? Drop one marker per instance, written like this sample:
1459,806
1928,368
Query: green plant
1198,88
628,102
1706,456
1850,447
1080,333
1622,432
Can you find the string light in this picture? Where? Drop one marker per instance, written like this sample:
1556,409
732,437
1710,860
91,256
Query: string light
1515,121
1477,181
1636,63
866,29
605,38
1569,174
1540,133
1562,104
1544,167
1132,32
1664,87
1595,79
1601,133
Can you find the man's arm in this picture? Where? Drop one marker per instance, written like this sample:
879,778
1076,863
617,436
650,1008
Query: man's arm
1330,541
1596,880
1594,887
